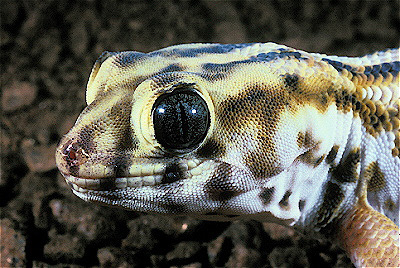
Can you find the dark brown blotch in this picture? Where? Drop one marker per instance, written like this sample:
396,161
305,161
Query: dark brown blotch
284,203
121,110
375,177
266,195
172,173
332,154
306,140
120,163
87,135
210,149
175,67
333,197
260,163
344,100
346,170
217,71
256,103
301,91
126,140
258,106
302,204
121,113
219,187
106,184
300,139
310,159
291,82
319,160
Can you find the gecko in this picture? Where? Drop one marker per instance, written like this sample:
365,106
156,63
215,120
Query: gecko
246,131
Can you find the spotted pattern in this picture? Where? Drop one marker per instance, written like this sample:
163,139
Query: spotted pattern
257,108
372,99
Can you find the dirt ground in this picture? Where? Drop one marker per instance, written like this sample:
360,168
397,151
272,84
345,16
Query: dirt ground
47,51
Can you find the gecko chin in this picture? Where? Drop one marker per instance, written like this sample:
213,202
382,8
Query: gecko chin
208,199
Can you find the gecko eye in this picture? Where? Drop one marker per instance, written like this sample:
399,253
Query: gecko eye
181,119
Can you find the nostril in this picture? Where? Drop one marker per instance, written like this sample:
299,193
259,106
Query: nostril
70,150
72,154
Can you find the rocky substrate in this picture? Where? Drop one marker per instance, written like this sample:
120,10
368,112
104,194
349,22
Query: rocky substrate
47,51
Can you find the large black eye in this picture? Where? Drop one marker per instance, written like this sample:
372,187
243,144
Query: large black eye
181,119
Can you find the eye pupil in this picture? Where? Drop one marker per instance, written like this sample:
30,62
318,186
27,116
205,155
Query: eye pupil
181,119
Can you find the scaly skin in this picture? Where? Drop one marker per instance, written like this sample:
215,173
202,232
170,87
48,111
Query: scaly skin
259,131
369,238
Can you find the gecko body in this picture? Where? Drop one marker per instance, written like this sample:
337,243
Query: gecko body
259,131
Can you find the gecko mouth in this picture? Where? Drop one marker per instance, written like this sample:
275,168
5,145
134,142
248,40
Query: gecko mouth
140,178
84,185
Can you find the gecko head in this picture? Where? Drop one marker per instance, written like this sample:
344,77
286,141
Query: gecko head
151,148
182,136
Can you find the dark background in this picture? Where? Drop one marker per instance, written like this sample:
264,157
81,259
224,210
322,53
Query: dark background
47,51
